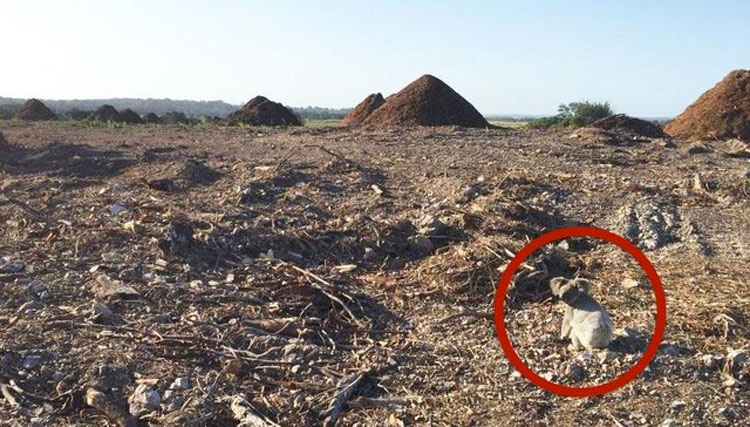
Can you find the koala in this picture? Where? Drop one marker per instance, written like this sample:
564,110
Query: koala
586,322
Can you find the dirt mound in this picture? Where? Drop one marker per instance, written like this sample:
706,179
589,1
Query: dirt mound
426,102
105,113
722,112
629,125
260,111
34,109
152,118
363,109
130,117
183,175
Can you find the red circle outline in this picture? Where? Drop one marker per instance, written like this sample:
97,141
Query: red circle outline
559,234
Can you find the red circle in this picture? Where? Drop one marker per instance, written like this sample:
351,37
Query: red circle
562,233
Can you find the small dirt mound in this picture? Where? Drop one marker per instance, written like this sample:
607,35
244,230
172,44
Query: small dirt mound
130,117
181,176
426,102
722,112
105,113
35,109
152,118
260,111
622,123
363,109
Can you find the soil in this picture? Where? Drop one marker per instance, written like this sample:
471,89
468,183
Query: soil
427,101
363,109
130,117
35,110
260,111
105,113
279,273
622,123
722,112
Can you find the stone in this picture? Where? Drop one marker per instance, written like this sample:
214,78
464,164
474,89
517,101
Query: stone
421,244
144,399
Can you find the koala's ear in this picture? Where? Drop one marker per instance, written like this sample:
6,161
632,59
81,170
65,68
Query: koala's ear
555,285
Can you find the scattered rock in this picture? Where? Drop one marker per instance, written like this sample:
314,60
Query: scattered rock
698,148
117,209
13,267
421,244
143,400
101,314
106,288
31,361
180,383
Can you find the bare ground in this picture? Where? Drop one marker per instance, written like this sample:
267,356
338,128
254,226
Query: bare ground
298,276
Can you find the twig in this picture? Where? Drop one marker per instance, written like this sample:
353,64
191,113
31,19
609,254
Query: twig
345,390
326,293
284,158
28,209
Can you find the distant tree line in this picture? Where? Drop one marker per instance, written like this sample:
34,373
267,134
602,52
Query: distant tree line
79,109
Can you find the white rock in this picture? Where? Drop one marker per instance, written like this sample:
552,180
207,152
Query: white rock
144,399
31,361
117,209
181,383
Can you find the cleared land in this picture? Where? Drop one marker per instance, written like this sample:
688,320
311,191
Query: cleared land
295,272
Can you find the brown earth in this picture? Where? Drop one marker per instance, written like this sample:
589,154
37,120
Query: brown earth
35,110
722,112
625,124
427,101
130,117
260,111
278,273
363,109
105,113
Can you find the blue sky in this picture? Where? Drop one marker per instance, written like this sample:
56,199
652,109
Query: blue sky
648,58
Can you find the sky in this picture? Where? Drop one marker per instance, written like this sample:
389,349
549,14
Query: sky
647,58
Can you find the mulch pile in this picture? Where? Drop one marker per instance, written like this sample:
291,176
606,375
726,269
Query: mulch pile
152,118
260,111
363,109
629,125
34,109
130,117
722,112
105,113
427,101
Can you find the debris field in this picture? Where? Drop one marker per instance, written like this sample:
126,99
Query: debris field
209,275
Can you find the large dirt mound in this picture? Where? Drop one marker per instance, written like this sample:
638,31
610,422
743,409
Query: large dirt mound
260,111
152,118
363,109
34,109
630,125
130,117
722,112
427,101
105,113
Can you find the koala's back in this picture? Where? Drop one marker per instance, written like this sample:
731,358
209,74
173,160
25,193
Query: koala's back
591,324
